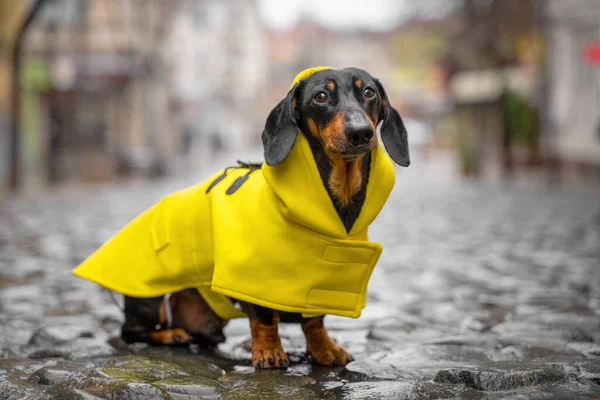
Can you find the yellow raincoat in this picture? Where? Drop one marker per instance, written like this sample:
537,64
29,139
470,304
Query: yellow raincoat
277,241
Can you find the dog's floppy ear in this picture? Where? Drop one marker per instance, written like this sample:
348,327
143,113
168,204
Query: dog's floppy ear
281,129
393,132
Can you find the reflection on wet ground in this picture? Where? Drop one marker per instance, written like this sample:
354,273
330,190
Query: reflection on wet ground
482,292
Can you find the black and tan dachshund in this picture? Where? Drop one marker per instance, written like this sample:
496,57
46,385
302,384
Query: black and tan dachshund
338,112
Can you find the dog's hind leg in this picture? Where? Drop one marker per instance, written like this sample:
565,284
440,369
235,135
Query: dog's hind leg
169,336
180,318
142,315
192,314
146,320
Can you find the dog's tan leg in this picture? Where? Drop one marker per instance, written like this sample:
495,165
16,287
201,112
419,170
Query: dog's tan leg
169,336
266,345
323,349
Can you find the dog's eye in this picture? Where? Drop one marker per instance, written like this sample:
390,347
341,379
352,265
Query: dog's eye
321,97
369,93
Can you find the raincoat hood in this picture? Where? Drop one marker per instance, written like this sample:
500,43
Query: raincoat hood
270,236
299,170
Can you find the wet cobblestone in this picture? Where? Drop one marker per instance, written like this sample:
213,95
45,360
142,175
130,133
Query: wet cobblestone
483,291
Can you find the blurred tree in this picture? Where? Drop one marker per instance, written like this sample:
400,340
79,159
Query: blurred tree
16,91
495,35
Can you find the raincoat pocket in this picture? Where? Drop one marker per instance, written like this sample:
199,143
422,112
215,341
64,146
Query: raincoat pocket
349,269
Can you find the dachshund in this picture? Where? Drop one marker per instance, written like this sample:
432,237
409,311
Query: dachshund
338,112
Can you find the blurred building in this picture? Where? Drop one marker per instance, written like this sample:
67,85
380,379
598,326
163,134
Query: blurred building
125,85
406,59
493,64
113,86
521,83
574,81
217,57
94,94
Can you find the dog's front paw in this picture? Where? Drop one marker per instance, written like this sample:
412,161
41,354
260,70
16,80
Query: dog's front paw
269,356
329,353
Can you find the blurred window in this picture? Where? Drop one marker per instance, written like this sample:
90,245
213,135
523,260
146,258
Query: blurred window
199,14
64,12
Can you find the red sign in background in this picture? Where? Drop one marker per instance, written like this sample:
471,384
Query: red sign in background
591,52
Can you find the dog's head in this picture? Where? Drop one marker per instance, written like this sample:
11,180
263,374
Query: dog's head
342,108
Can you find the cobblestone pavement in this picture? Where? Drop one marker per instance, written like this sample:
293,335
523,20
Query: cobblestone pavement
482,292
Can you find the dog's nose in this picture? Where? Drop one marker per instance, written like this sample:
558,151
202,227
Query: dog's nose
359,135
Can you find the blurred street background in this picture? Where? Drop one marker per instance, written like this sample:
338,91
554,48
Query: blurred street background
489,283
92,91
